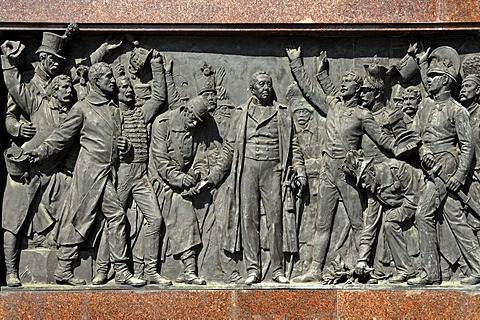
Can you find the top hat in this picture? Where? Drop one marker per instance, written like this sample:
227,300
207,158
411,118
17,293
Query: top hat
53,44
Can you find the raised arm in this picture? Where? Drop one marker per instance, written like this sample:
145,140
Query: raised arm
20,92
157,101
173,96
312,91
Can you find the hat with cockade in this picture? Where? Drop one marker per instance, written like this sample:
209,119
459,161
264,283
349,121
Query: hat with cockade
375,77
206,80
444,60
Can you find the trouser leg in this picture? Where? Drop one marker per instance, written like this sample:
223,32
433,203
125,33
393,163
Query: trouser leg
147,203
351,199
326,211
370,230
103,253
116,223
250,217
466,239
270,191
189,263
426,223
398,247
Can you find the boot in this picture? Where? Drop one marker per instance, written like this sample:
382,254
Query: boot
13,280
312,275
158,279
64,274
102,272
100,278
189,271
123,276
11,251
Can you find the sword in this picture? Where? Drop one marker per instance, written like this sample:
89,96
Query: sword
436,172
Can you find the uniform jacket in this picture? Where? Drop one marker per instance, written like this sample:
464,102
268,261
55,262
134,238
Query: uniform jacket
445,130
345,123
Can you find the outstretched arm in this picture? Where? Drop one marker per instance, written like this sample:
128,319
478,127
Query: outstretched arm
312,91
154,105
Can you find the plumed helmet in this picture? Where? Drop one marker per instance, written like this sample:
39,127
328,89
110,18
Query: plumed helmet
375,77
471,69
444,60
206,80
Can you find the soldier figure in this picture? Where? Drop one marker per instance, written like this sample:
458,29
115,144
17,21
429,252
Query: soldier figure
133,181
175,154
446,155
411,99
259,148
309,126
396,186
346,123
25,207
470,99
96,120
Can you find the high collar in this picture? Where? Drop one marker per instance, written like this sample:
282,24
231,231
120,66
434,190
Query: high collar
255,102
177,119
40,72
350,103
97,98
473,108
56,106
444,96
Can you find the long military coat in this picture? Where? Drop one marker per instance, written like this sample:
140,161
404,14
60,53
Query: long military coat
97,121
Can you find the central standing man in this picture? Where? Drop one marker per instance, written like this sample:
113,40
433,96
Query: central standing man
260,146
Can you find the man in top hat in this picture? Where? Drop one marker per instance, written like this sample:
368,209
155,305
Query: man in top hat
96,122
446,155
175,167
50,55
470,99
397,187
51,58
346,123
27,206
